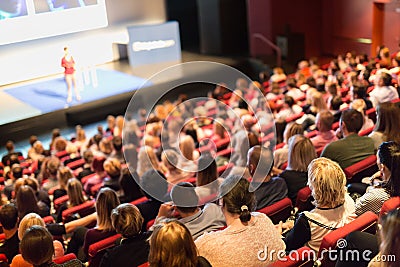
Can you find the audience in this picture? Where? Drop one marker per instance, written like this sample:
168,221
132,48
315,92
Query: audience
352,148
247,231
133,249
269,189
334,208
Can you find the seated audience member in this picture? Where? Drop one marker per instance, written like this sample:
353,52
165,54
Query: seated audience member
37,151
155,186
86,170
336,104
301,153
246,231
48,172
170,160
383,92
37,248
352,148
134,247
359,91
10,151
187,148
28,221
269,189
98,168
172,245
63,175
385,130
325,134
334,207
75,197
41,195
130,189
32,140
9,222
388,161
281,154
15,173
288,109
26,203
147,160
117,149
185,206
112,167
207,181
359,105
106,201
292,89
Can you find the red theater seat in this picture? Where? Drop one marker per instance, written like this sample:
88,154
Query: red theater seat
76,164
364,168
366,131
294,117
65,258
366,222
98,249
303,257
388,205
279,211
304,199
139,200
59,201
82,210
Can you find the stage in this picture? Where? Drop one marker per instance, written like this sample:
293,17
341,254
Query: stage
37,106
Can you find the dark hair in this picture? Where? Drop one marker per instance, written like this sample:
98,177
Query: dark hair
17,171
289,100
117,143
389,155
9,216
360,90
129,185
336,102
9,145
388,117
386,78
37,246
353,120
32,139
98,164
154,184
184,197
88,156
243,104
238,199
26,201
207,169
291,82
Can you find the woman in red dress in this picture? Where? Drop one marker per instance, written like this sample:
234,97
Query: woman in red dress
68,64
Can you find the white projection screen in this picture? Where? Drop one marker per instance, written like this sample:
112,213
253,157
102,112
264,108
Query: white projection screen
23,20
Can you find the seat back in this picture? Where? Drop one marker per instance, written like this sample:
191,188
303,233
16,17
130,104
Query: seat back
389,205
59,201
139,200
76,164
303,257
366,222
366,131
364,168
82,210
65,258
279,211
98,249
304,200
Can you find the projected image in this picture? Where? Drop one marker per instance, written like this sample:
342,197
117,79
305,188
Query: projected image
12,8
42,6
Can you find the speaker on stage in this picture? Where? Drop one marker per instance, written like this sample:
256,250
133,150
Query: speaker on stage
223,27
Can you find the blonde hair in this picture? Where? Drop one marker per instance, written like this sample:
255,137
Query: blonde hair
147,160
318,102
63,175
390,235
327,182
292,129
112,167
172,245
186,146
219,128
301,153
359,105
119,123
75,192
127,220
29,220
80,135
